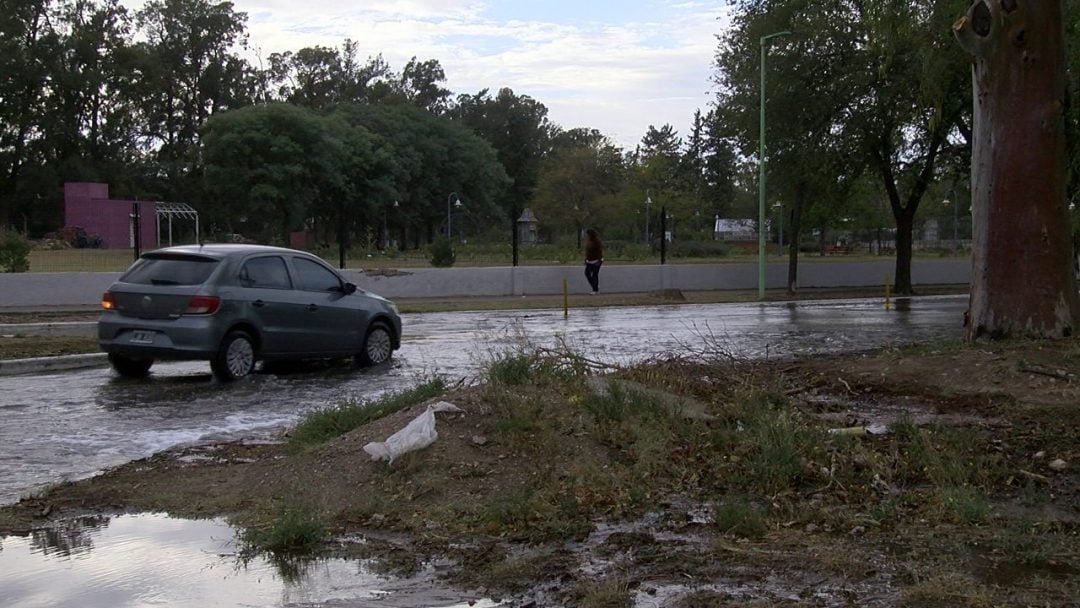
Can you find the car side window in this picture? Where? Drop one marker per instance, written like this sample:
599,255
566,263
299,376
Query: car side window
265,273
311,276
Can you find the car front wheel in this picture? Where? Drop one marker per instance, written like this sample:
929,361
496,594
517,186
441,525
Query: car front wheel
236,357
378,345
130,368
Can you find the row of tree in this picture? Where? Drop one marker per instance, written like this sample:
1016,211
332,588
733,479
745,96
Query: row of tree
869,109
318,137
869,102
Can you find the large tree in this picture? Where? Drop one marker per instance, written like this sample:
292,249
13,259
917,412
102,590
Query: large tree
1022,282
28,42
576,179
188,71
810,93
433,158
518,128
264,167
915,98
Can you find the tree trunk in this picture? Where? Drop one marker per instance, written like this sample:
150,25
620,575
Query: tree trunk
905,226
794,238
1022,280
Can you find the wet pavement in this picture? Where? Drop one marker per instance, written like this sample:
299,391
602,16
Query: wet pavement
72,424
69,425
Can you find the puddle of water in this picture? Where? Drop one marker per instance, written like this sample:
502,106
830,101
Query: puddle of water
143,560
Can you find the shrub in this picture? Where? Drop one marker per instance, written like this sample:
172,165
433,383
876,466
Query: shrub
14,252
442,253
698,249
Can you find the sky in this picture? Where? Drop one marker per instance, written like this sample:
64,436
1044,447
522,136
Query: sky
616,66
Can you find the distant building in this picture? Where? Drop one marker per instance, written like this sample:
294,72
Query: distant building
526,225
87,205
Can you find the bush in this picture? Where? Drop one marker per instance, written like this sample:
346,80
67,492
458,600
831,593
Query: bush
698,249
442,253
14,252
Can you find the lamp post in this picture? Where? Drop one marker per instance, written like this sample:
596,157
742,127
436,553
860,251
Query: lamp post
761,172
955,221
452,197
648,201
780,232
386,227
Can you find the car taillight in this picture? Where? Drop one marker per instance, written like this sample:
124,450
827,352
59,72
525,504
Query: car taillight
202,305
107,301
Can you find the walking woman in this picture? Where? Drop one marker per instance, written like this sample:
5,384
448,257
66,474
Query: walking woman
594,258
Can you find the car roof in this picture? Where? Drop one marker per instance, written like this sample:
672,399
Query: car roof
222,250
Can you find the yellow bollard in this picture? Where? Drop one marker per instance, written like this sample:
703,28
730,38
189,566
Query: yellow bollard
565,300
888,289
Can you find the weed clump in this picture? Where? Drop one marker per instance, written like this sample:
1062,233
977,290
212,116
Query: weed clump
294,529
322,425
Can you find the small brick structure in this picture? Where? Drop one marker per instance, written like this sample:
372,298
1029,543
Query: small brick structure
87,205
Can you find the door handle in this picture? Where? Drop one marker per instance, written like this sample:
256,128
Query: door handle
258,303
312,308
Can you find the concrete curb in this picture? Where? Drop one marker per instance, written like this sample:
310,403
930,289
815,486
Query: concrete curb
37,365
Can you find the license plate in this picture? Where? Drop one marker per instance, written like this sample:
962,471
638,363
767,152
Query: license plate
142,337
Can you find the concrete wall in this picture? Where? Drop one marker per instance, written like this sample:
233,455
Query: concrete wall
84,289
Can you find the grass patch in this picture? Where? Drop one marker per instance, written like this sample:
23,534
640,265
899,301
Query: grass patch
954,590
527,365
777,442
605,593
965,505
740,517
293,529
322,425
28,347
1023,543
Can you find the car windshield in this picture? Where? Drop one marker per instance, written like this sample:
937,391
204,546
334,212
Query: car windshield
170,270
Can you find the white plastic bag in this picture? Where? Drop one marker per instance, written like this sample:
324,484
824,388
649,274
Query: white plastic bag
416,435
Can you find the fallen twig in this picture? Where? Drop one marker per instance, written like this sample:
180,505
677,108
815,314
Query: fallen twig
1042,371
1035,476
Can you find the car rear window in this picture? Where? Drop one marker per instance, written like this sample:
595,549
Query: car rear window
170,270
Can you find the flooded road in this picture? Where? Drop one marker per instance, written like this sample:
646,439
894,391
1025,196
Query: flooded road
69,425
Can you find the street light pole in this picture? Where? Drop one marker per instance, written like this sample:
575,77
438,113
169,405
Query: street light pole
955,221
761,172
648,201
780,232
450,197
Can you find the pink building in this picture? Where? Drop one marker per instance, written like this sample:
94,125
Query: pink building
87,205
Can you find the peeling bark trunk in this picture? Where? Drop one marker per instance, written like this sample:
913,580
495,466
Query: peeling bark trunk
1022,281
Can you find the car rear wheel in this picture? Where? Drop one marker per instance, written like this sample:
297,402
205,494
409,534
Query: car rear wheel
378,345
236,357
129,367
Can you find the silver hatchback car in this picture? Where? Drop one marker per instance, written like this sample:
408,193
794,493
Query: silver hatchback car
233,305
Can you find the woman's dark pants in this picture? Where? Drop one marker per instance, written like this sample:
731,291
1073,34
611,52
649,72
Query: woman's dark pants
592,274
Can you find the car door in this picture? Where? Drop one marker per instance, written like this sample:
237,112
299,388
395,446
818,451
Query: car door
268,294
331,322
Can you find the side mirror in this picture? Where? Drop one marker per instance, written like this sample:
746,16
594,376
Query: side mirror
348,288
